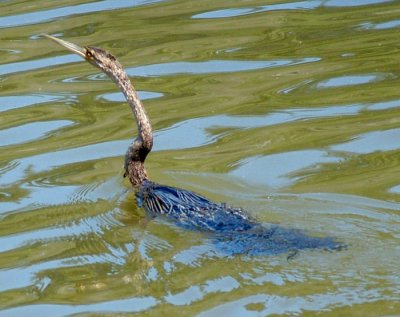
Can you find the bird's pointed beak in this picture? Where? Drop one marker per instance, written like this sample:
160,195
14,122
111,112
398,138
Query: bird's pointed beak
69,46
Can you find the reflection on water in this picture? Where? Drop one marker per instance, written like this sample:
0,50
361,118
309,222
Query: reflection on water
49,15
187,134
381,26
212,67
15,102
7,69
371,142
129,305
265,305
30,131
21,168
352,80
288,109
119,97
226,13
273,170
301,5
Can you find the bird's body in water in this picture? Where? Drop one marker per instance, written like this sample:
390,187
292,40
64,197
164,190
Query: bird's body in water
236,230
191,210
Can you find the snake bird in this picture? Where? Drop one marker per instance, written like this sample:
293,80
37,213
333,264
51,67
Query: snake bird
237,232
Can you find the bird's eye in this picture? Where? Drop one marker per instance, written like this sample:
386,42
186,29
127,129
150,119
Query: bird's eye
89,54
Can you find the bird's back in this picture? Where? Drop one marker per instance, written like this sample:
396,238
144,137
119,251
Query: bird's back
235,232
192,210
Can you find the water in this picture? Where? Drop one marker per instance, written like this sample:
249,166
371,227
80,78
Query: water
288,109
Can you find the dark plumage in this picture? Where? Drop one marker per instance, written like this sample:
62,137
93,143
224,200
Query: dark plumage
191,210
235,231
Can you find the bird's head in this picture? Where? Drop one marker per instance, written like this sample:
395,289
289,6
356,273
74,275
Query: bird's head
96,56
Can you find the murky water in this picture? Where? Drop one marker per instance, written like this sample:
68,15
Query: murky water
290,110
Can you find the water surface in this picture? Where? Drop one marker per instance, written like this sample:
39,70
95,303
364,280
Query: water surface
288,109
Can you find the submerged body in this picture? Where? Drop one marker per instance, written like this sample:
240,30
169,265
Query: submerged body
235,231
191,210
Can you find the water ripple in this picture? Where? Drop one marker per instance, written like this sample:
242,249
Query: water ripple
15,102
278,170
301,5
345,3
380,26
11,68
119,96
40,195
74,242
25,276
36,197
47,161
383,105
234,12
197,292
73,230
129,305
372,142
63,12
154,70
31,131
294,305
186,134
172,138
176,136
213,66
351,80
337,82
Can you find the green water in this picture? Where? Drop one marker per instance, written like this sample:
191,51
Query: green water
290,110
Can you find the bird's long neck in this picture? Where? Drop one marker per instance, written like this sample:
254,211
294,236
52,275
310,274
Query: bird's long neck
141,146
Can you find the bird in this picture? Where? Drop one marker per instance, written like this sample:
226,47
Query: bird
236,231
